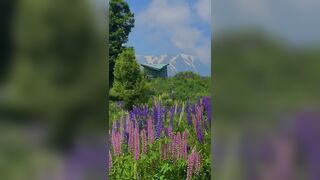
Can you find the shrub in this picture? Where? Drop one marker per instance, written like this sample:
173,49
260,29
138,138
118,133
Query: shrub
184,86
129,84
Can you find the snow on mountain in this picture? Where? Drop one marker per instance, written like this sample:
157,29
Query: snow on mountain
178,63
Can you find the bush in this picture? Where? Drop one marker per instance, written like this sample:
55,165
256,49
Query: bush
184,86
129,84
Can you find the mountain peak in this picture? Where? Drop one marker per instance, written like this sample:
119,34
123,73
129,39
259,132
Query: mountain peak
177,63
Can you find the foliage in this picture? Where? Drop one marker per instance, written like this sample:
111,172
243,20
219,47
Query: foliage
129,84
116,111
182,87
120,24
254,75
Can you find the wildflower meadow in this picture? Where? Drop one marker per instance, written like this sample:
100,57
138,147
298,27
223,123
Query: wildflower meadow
162,142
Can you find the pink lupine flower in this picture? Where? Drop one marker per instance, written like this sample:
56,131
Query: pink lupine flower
110,161
170,131
136,144
194,164
169,149
150,131
190,165
173,145
194,121
116,143
164,151
119,142
185,145
131,136
161,151
197,162
199,112
144,141
178,145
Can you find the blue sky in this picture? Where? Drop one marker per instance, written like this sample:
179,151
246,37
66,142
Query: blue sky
171,27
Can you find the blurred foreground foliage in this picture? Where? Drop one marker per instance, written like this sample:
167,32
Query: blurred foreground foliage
58,76
255,74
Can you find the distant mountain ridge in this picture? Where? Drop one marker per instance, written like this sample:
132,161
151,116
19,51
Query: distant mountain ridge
177,63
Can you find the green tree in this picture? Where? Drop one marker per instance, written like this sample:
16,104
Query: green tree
129,84
120,25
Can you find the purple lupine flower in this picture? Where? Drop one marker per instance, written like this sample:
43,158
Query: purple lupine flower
144,141
136,144
159,124
126,138
158,129
171,114
140,125
199,132
144,113
150,131
198,123
132,118
179,109
198,101
206,101
193,109
155,113
188,111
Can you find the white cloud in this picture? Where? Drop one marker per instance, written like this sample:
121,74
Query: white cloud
203,8
162,12
174,20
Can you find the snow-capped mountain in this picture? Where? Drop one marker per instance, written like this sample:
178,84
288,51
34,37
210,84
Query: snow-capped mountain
177,63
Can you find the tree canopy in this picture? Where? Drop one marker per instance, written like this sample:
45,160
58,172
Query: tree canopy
121,21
